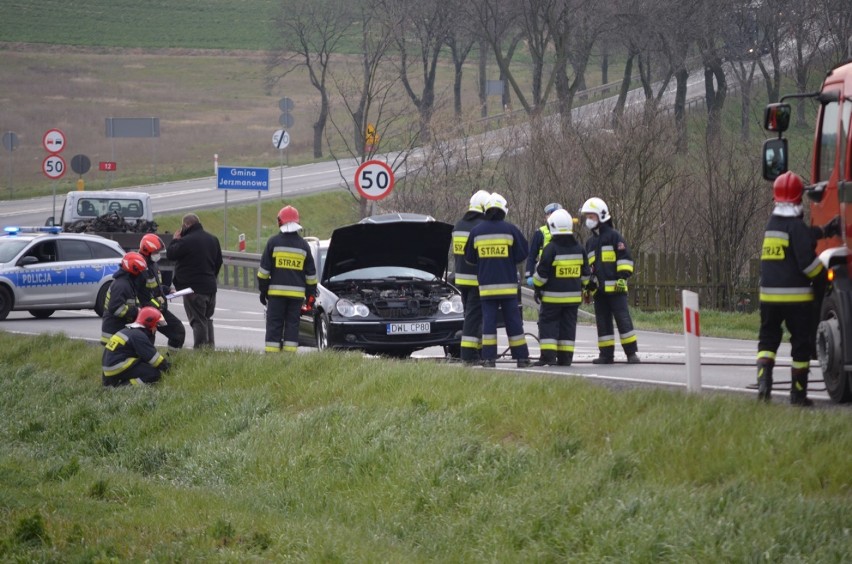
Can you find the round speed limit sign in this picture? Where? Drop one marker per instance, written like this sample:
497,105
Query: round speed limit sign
53,166
374,180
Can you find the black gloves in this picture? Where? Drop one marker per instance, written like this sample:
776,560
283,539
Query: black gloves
263,298
832,228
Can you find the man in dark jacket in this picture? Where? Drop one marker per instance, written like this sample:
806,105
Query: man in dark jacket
497,247
612,265
198,260
466,281
287,275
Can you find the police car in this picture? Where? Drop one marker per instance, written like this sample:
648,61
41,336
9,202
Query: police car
43,269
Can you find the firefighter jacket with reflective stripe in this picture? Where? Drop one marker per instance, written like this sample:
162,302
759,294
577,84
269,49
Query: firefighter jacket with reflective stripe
149,286
496,247
539,241
121,300
126,348
788,263
287,267
465,273
609,257
562,271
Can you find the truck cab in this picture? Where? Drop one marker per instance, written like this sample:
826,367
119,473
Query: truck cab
830,195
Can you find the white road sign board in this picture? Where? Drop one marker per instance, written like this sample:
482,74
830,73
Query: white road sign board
53,167
53,141
280,139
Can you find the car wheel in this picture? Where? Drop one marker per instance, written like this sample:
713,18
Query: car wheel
101,299
41,313
5,302
321,330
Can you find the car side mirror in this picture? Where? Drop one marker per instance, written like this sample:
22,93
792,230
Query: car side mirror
774,158
776,117
28,260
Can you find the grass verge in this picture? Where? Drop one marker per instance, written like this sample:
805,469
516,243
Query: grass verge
239,456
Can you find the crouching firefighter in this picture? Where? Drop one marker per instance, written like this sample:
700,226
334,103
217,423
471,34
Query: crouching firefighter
466,281
130,356
286,276
560,278
789,269
153,293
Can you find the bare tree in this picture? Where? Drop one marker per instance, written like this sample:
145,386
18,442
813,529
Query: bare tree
742,50
309,34
712,13
460,39
807,34
835,16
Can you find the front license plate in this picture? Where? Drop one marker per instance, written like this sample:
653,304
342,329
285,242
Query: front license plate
409,328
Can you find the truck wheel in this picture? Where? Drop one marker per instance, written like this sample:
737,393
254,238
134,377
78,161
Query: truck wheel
5,302
101,299
830,351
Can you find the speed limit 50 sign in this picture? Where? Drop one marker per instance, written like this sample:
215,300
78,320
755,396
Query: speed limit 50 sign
374,179
53,166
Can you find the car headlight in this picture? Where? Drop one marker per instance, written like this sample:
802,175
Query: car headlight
452,305
348,309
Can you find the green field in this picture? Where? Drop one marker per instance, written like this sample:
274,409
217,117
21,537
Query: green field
240,457
195,24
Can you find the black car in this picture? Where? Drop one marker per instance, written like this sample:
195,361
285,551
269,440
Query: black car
383,289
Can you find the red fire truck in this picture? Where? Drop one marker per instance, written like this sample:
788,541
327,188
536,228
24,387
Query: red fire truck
830,194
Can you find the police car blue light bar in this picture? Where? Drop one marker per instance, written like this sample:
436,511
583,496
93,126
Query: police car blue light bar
14,230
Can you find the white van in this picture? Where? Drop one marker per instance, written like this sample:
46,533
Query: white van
132,206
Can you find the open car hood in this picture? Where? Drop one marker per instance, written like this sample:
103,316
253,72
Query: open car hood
407,240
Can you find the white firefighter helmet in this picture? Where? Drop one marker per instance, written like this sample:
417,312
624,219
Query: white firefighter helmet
560,222
497,201
478,201
596,206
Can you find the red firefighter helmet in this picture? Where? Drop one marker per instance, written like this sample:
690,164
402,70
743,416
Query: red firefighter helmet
788,188
149,318
288,214
150,244
134,263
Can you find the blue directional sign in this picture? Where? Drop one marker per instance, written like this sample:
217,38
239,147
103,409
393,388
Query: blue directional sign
242,178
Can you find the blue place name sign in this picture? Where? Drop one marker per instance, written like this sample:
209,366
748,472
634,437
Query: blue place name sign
242,178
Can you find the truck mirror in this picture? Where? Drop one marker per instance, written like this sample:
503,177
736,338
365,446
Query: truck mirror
774,158
776,117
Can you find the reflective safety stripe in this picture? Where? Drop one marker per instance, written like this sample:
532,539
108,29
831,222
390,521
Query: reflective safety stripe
539,280
545,231
272,347
517,340
565,346
466,279
766,354
115,369
786,295
459,241
493,245
290,346
498,290
547,344
606,341
801,364
287,291
561,297
469,342
262,273
628,338
489,340
624,265
814,268
608,253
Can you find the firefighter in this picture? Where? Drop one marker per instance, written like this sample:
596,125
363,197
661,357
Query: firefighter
539,241
286,277
122,302
561,275
152,292
497,247
130,356
611,265
465,279
789,268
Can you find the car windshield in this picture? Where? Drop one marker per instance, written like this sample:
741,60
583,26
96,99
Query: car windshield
10,247
384,272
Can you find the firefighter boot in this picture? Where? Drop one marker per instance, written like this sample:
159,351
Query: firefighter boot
764,380
546,358
564,358
799,387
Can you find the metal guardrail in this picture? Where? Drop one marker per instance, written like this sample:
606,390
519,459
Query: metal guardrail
239,270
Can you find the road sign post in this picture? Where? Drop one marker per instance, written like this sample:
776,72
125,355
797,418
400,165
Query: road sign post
10,143
374,180
692,334
280,140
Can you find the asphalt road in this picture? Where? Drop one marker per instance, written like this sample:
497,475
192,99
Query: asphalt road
727,364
